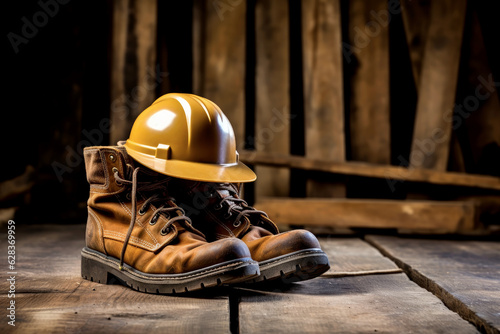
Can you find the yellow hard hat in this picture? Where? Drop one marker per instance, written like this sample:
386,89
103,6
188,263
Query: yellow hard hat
189,137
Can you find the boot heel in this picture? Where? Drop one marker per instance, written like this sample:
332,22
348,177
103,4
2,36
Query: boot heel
94,271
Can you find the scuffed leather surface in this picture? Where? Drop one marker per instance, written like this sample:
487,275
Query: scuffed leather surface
181,250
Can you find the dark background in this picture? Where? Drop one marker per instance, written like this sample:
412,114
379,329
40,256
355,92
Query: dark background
59,85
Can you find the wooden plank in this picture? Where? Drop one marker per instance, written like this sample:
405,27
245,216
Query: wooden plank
463,274
427,215
362,304
416,22
353,256
219,48
132,63
393,174
431,137
272,132
478,107
59,244
323,89
369,112
52,297
94,308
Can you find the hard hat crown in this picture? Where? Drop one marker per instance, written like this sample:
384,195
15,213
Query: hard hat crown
187,136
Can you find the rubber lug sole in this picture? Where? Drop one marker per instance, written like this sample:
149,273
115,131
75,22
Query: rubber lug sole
298,266
98,267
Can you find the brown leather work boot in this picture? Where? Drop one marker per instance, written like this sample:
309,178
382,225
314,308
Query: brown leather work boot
219,213
137,234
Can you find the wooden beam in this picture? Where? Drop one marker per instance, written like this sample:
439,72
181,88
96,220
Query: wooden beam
323,89
219,50
369,112
132,63
426,215
272,131
438,80
392,174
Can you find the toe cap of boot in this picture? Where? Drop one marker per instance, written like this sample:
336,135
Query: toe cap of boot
218,252
272,246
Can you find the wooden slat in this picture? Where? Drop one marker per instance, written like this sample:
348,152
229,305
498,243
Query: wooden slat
219,48
423,215
272,131
132,63
369,112
392,174
416,22
364,304
480,105
463,274
323,88
431,137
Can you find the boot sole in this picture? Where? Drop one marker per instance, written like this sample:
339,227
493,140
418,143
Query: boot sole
293,267
100,268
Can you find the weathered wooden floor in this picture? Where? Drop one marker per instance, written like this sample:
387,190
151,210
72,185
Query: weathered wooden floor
419,286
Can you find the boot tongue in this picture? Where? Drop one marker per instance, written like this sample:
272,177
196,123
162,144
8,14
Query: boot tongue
223,193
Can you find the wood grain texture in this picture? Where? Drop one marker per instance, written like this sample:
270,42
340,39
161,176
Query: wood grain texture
51,296
393,174
464,274
416,23
432,131
133,63
426,215
272,114
362,304
479,106
369,112
219,50
323,88
353,255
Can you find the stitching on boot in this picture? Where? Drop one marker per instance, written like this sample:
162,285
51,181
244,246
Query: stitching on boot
138,221
134,239
221,224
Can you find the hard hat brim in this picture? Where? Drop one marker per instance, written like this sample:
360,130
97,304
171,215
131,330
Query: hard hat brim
195,171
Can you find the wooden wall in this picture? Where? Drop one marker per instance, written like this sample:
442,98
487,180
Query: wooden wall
372,105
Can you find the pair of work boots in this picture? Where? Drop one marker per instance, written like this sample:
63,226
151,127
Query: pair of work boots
139,234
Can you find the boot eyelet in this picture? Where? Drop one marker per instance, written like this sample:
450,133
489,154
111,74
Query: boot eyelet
128,196
114,169
217,206
237,224
141,212
228,215
112,157
153,220
165,232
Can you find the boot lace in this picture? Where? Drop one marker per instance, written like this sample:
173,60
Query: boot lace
168,210
235,205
